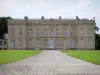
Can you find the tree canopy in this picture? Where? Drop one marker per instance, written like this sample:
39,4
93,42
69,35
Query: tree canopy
3,26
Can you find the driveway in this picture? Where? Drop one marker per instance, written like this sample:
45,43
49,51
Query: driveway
50,62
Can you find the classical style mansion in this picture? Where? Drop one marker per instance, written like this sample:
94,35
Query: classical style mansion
50,34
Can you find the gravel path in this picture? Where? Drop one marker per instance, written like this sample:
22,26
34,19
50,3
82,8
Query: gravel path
50,62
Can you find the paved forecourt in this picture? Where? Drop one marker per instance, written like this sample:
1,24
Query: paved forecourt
50,62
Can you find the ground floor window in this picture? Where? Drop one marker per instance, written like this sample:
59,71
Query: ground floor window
4,42
30,43
81,43
73,43
57,43
65,44
13,43
20,43
37,43
45,43
0,42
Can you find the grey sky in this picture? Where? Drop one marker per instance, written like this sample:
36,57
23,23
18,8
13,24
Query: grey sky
51,8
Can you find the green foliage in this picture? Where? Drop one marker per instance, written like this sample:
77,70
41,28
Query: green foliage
97,41
3,26
7,56
92,56
96,28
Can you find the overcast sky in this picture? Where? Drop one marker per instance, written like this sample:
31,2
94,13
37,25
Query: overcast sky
51,9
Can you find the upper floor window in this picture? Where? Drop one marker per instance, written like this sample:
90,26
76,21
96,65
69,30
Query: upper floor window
51,32
45,33
30,32
20,32
81,32
90,32
72,33
13,43
57,32
12,31
37,33
64,33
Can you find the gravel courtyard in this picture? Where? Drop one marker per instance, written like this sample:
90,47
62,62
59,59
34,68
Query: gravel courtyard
50,62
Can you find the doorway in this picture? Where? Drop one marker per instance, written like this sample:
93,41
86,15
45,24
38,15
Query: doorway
51,43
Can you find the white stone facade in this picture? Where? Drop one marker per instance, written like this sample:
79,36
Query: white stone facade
51,34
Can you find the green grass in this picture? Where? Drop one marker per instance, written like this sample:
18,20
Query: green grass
92,56
7,56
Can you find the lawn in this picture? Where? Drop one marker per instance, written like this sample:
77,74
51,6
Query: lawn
7,56
92,56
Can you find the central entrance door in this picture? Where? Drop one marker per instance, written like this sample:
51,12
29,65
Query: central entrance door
51,43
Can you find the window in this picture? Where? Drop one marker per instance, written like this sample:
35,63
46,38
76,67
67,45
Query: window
81,32
37,43
12,31
81,43
0,42
71,33
64,33
45,33
30,32
90,41
20,32
73,43
4,42
65,43
20,43
45,43
51,32
90,31
57,43
76,22
37,34
13,43
30,43
57,33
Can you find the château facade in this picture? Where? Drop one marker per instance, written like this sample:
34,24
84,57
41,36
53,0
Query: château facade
51,33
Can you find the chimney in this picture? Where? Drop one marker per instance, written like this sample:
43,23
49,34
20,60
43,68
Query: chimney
42,17
60,17
93,18
77,18
26,17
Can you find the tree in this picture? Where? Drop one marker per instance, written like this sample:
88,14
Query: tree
97,39
96,28
3,26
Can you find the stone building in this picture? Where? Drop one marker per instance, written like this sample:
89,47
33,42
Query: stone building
51,33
